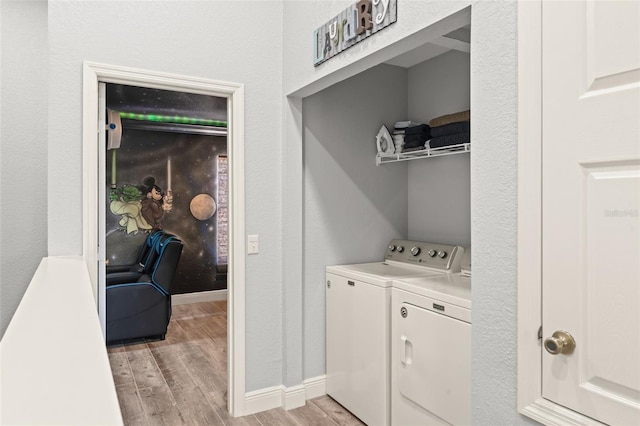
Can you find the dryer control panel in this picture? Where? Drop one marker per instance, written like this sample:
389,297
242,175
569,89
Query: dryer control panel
432,255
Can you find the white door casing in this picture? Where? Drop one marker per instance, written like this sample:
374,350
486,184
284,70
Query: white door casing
94,204
590,204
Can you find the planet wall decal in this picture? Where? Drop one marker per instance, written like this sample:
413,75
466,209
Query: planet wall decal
202,206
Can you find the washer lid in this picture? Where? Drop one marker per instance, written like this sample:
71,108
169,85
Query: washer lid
380,273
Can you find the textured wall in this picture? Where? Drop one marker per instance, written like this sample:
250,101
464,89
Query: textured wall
352,208
439,188
23,149
494,104
221,40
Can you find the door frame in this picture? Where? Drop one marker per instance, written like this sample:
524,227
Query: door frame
93,173
530,400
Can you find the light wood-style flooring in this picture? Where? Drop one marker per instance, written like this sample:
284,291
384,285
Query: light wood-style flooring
182,380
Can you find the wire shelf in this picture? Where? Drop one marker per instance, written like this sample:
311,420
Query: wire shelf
425,153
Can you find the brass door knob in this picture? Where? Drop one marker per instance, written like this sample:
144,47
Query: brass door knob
560,342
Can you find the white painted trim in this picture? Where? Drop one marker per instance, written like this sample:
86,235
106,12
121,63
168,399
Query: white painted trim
94,73
89,173
530,400
198,297
286,397
315,386
293,397
529,202
263,399
550,414
236,261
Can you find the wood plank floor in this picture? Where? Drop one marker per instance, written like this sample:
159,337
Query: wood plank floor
182,380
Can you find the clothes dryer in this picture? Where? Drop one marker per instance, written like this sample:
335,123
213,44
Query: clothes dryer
431,349
358,353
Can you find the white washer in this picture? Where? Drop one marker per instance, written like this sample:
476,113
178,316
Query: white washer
431,349
358,324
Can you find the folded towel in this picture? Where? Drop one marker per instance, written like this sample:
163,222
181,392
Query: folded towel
421,128
450,129
415,143
415,148
450,118
448,140
416,138
404,124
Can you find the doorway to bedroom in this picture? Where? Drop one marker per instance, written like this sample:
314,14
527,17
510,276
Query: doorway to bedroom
187,198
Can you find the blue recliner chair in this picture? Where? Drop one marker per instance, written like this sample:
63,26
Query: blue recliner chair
142,308
144,263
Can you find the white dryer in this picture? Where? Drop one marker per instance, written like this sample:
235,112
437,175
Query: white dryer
358,353
431,349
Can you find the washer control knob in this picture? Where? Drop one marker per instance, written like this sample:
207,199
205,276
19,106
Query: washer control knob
415,250
431,253
442,254
392,247
399,249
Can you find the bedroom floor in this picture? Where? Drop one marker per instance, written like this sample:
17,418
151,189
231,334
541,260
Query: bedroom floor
183,379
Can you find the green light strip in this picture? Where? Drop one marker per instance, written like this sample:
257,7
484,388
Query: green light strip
173,119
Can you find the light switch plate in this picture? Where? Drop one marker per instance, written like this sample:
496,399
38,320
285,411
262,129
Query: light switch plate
253,244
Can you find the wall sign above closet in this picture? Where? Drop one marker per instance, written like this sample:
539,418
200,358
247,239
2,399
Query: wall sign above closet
351,26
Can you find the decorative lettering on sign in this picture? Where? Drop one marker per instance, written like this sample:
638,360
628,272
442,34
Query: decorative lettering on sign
364,16
357,22
338,37
318,54
380,16
327,44
333,30
351,25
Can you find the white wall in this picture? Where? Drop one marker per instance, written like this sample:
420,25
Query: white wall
23,149
493,165
439,188
221,40
352,208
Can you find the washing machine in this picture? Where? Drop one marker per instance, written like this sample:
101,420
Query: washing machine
431,349
358,354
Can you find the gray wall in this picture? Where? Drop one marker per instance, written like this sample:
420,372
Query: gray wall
23,149
352,208
439,188
494,102
221,40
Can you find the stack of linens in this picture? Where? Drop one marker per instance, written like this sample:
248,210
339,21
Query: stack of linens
450,129
410,136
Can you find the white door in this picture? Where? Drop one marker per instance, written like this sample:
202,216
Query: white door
432,362
591,203
102,248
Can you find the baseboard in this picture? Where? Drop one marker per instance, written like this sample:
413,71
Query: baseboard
286,397
263,400
199,296
315,386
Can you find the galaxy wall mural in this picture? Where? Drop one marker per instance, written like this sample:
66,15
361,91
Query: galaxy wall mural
170,179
